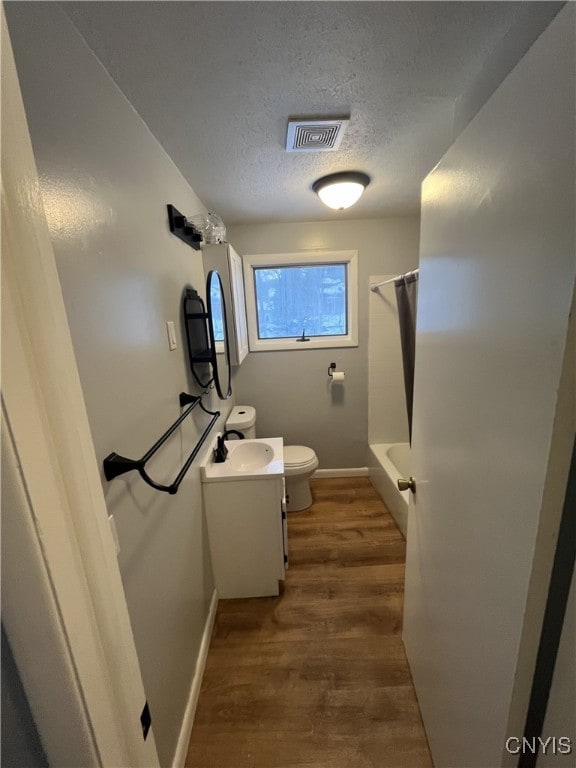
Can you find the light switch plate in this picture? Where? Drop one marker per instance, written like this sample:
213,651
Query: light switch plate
171,335
112,524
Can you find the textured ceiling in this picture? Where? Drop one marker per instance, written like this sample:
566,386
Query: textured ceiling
217,81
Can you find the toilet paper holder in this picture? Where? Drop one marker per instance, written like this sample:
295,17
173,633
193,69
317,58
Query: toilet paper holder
334,375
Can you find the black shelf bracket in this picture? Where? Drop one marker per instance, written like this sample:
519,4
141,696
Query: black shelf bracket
116,465
180,227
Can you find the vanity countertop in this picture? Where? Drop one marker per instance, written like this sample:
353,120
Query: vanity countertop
250,459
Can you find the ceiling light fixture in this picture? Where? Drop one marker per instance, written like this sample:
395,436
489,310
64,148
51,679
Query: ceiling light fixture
341,190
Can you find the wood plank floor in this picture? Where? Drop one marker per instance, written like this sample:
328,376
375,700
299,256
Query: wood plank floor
317,677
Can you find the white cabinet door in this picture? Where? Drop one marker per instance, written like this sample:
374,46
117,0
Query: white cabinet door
239,305
496,280
229,265
244,522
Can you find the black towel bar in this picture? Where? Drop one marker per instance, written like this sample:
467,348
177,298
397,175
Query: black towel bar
115,465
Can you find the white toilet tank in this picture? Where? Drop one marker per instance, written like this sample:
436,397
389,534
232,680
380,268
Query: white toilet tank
243,418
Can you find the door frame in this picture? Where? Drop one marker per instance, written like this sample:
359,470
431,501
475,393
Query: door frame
74,648
542,588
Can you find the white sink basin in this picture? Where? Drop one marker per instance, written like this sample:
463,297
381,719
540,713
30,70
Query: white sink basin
249,459
250,456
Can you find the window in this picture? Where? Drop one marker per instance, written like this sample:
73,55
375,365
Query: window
301,300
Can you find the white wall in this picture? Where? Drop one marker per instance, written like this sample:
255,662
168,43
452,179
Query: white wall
506,53
290,390
105,184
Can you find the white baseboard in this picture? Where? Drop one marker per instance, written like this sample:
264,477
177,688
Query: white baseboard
190,711
345,472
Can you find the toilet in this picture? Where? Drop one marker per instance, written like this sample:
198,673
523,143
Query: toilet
300,462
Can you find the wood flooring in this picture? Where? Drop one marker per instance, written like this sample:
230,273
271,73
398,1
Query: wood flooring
317,677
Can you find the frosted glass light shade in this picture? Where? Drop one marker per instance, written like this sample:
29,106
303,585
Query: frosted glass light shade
341,190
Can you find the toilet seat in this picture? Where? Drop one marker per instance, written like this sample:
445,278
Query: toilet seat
298,455
299,459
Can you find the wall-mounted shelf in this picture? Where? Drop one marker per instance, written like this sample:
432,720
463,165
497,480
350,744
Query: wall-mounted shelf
197,339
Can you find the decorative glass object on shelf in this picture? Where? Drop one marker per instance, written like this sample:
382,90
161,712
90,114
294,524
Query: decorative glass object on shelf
211,226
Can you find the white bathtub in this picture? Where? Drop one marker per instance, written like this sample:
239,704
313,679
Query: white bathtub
387,463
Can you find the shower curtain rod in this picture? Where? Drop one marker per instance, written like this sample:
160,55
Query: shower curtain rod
392,279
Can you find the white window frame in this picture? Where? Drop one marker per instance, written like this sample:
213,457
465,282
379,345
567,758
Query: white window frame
304,258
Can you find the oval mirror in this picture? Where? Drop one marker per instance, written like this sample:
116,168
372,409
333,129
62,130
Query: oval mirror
218,338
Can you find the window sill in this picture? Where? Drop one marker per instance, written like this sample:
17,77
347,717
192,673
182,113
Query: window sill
278,345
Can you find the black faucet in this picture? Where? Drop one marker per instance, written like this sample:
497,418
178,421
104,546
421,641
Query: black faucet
232,432
220,452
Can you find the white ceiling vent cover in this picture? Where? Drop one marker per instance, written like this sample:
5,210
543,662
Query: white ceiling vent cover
315,135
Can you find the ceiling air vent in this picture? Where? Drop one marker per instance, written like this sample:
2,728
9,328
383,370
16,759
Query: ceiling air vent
322,135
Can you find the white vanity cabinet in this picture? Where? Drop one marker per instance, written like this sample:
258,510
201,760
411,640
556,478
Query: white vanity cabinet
246,521
229,265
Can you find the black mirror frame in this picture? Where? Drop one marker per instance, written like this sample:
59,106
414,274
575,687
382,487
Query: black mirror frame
215,372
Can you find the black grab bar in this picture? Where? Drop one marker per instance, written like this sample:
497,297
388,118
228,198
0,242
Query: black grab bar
115,465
